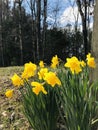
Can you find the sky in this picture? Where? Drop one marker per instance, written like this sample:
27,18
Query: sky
67,13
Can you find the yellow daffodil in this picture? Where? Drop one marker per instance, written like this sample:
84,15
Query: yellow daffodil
53,65
9,93
91,61
55,61
25,75
88,55
82,63
52,79
74,65
37,88
41,64
42,72
29,70
16,80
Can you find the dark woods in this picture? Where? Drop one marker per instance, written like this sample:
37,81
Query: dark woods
28,37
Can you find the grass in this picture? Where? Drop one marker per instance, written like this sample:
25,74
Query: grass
11,115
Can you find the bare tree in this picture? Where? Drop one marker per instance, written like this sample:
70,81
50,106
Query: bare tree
44,25
84,10
19,2
39,15
1,43
6,9
84,21
76,18
38,26
32,7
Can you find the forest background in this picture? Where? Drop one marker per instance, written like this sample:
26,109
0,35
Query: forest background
30,30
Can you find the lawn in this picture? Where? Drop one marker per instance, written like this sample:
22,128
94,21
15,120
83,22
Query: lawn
11,114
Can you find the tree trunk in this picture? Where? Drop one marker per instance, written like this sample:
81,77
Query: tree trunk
20,34
94,45
84,24
38,2
94,50
7,9
44,26
32,8
1,43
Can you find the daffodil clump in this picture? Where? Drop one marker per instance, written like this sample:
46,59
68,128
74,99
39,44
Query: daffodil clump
78,94
44,76
44,90
37,85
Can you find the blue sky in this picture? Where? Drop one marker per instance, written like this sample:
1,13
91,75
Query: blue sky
67,12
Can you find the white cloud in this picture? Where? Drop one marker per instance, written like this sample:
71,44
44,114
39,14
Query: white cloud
70,16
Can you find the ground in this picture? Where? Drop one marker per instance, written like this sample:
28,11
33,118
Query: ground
11,111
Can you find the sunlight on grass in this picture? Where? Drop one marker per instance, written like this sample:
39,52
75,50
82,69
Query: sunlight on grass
8,71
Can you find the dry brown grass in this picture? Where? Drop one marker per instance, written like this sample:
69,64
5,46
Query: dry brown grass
11,114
